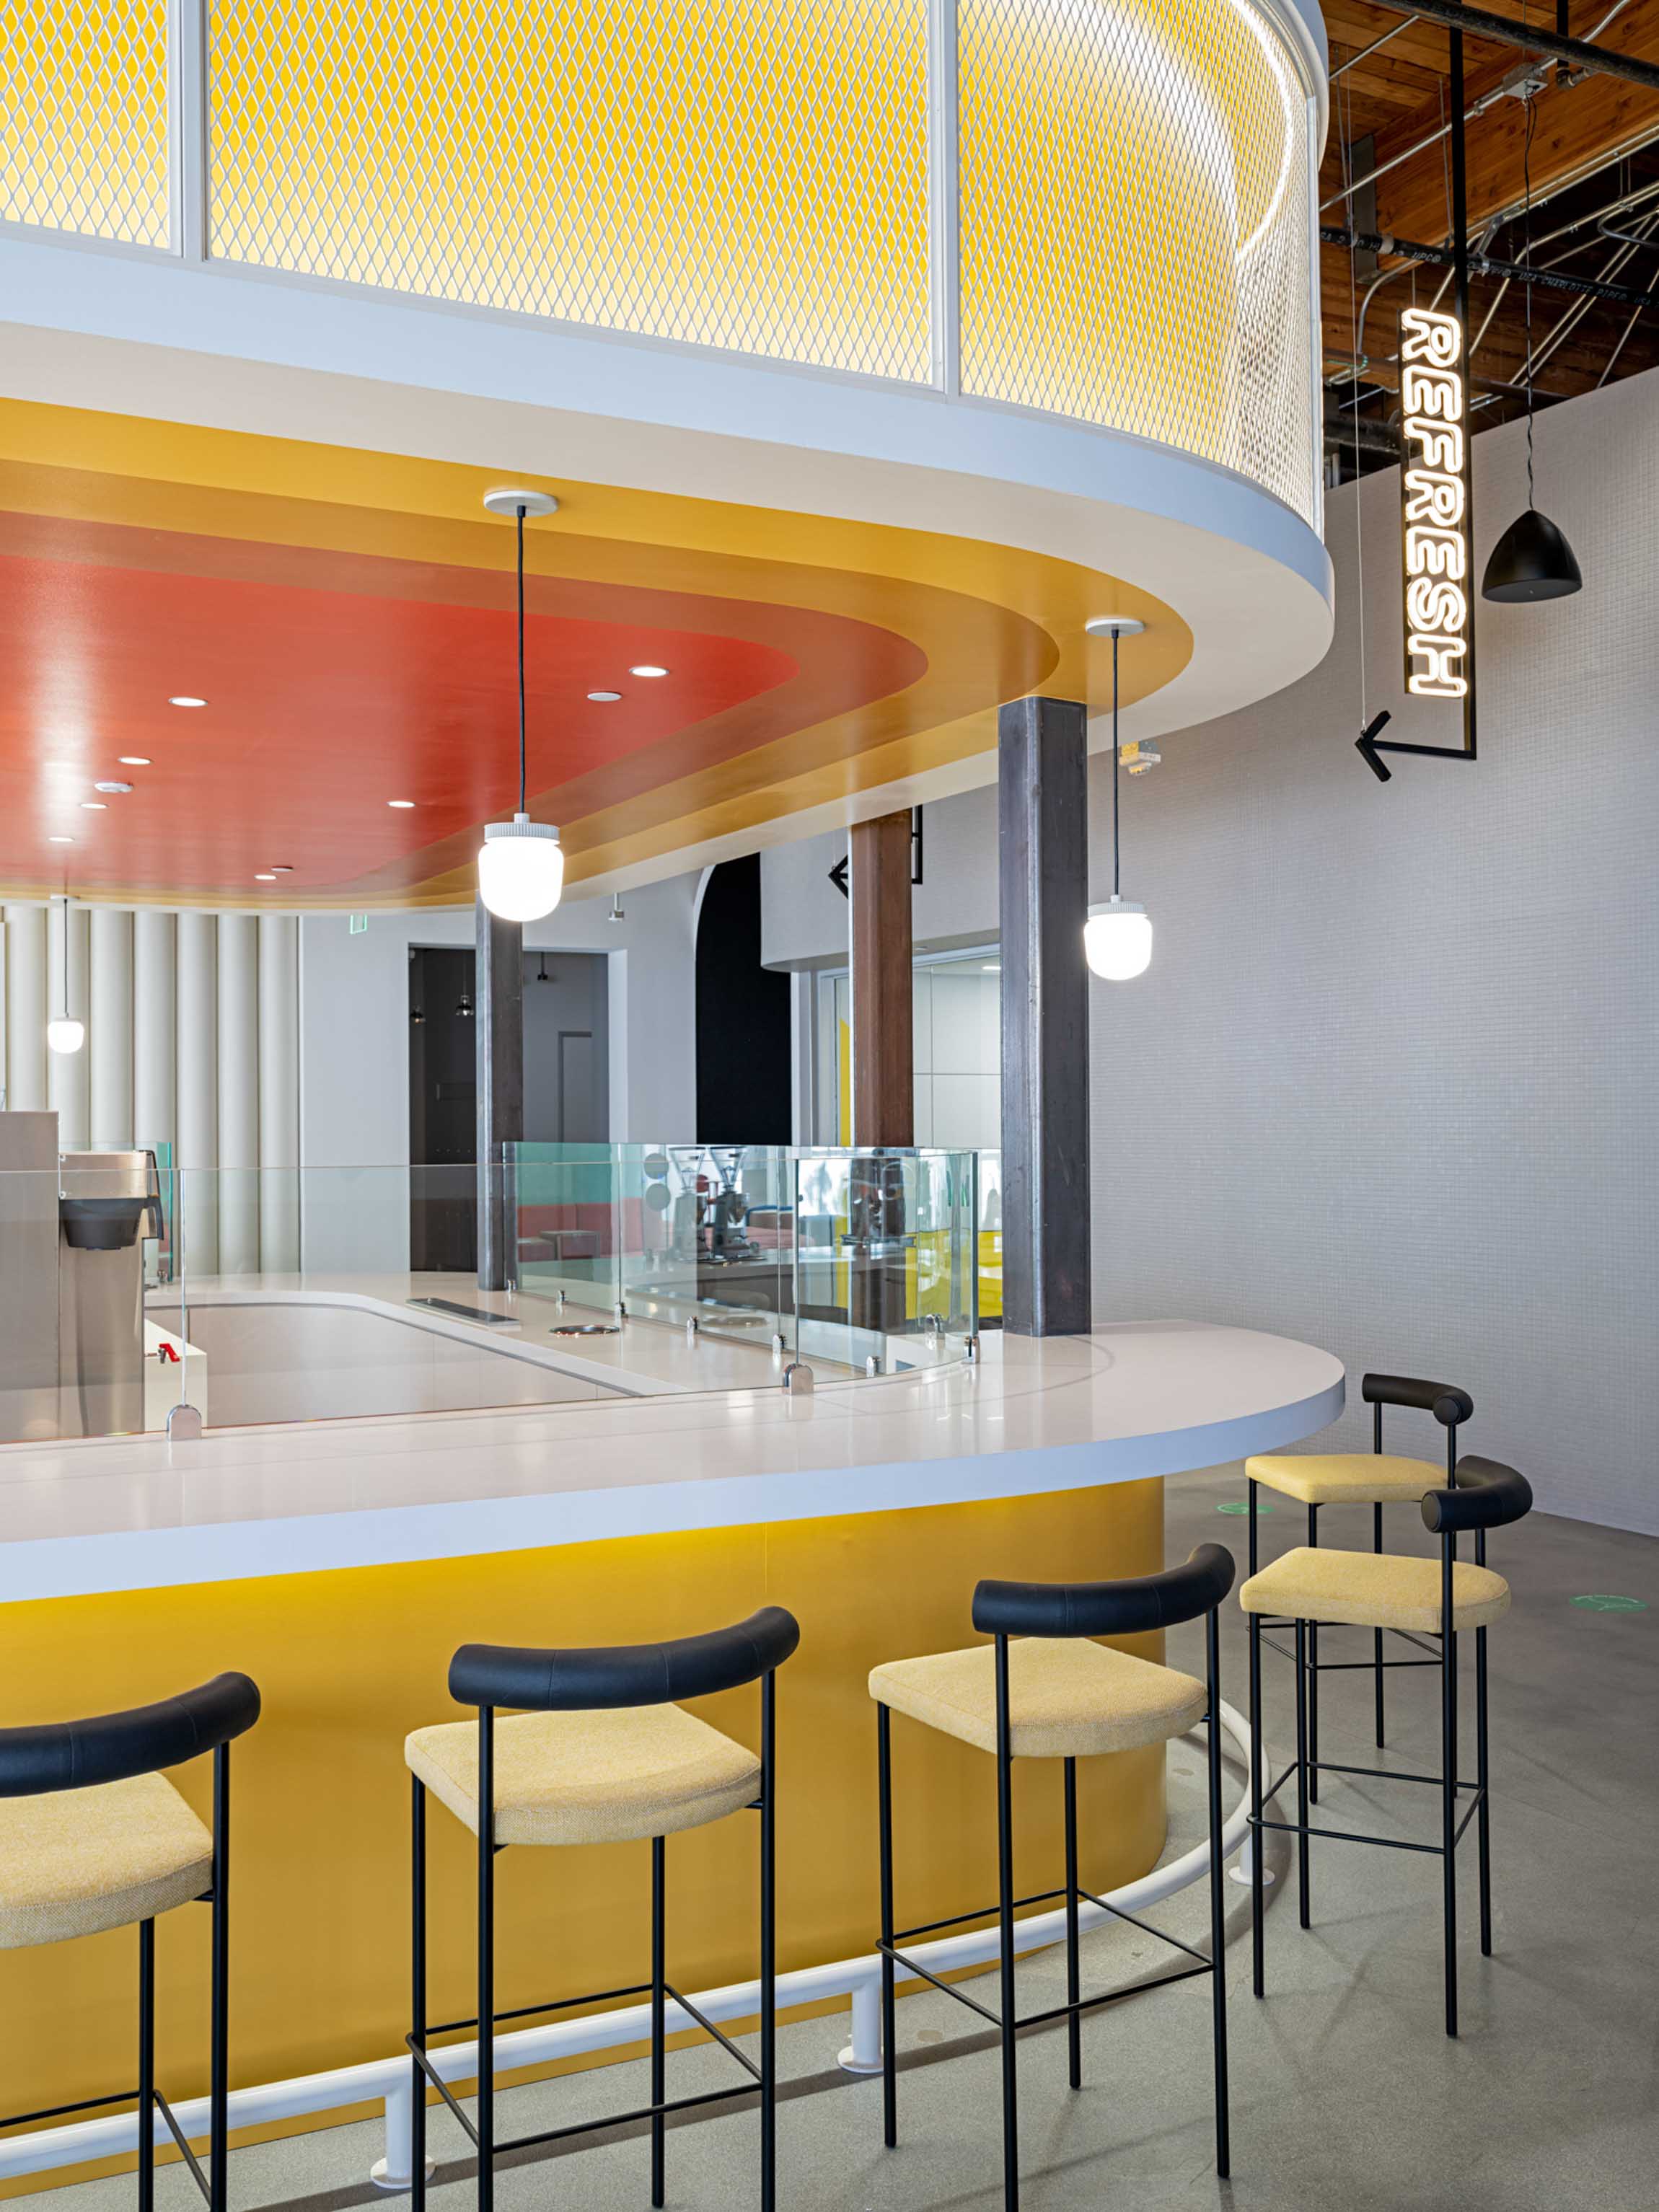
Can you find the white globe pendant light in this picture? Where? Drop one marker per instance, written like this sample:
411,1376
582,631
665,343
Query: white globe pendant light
520,862
63,1033
1117,940
1117,935
520,869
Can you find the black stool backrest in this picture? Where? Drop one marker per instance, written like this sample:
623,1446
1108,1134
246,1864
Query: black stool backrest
1445,1400
114,1747
1120,1609
588,1678
1489,1495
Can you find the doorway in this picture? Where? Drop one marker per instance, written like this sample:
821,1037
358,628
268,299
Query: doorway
566,1059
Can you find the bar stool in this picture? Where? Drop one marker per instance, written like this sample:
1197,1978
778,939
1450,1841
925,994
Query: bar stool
1423,1597
1373,1479
1042,1690
598,1751
93,1836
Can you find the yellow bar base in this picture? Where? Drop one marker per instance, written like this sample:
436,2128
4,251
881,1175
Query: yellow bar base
349,1661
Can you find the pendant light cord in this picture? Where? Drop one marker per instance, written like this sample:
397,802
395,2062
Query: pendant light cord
1526,256
1115,765
520,512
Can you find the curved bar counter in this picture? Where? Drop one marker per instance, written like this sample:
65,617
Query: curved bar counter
340,1564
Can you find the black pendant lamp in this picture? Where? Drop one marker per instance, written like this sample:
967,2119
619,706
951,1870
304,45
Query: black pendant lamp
1532,560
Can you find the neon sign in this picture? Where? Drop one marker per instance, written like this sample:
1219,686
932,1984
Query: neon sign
1436,492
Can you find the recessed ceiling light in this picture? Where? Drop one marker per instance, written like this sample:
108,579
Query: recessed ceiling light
60,840
605,698
94,806
265,879
645,669
135,760
112,786
403,803
281,868
180,700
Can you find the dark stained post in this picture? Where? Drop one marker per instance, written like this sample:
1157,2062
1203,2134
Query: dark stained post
498,990
883,1069
1043,823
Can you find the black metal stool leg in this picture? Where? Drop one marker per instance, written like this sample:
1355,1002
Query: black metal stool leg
486,2115
417,1991
219,2052
659,2008
1005,1925
1073,1964
146,2065
1449,1783
884,1821
1258,1935
1217,1899
1376,1633
1302,1884
1313,1676
1482,1773
768,1952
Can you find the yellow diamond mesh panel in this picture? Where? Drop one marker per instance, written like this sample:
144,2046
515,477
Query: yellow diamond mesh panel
746,173
83,128
1135,225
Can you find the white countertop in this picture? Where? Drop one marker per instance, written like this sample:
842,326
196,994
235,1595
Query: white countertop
1129,1401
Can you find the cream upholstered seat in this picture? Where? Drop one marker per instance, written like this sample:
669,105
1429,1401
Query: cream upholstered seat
74,1862
1346,1478
1374,1589
1068,1699
600,1776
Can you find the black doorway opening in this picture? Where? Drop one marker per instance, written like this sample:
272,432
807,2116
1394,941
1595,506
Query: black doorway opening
743,1017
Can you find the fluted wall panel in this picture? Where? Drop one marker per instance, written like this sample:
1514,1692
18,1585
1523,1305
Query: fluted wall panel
67,1089
155,1026
192,1042
109,1029
279,1093
199,1089
26,1007
238,1094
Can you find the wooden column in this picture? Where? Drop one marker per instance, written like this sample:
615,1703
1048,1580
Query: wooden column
884,1070
498,1015
1043,872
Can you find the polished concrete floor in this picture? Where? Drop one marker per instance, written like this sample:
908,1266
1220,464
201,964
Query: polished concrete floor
1347,2097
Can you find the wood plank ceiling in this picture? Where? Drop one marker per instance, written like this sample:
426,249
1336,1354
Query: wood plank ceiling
1595,142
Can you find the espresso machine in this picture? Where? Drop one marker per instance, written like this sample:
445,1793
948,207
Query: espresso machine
72,1231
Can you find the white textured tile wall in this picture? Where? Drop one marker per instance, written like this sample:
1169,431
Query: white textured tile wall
1392,1082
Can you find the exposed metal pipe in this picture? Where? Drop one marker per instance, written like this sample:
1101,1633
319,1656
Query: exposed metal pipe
1344,432
1365,53
1534,39
1483,264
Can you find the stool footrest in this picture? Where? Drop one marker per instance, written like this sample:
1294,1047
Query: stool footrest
1204,1964
1383,1843
422,2057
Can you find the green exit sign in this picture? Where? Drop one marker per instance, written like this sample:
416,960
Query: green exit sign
359,924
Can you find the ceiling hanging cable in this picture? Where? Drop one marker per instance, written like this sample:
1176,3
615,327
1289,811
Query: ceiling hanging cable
1532,560
520,863
1117,934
